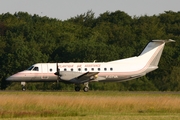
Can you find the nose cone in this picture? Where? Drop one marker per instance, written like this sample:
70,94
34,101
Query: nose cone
16,77
13,78
9,78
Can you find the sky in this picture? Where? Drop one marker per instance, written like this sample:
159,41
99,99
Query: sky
65,9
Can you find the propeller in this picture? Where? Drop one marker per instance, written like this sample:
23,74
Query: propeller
57,71
58,75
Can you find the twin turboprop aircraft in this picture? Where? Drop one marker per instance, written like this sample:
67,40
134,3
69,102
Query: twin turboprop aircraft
83,73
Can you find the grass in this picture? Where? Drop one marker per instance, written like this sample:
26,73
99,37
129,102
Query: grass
90,105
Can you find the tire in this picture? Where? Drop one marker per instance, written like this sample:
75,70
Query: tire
77,89
86,89
23,89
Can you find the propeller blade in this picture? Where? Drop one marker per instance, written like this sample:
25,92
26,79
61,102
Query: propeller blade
57,70
58,76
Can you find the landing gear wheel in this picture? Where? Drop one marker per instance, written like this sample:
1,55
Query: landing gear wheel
23,88
86,89
77,89
23,84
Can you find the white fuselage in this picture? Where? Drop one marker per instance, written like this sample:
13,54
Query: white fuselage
108,71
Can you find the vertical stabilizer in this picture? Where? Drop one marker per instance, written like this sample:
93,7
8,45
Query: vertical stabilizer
153,51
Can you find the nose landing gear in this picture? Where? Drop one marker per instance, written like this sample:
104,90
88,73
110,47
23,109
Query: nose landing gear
23,84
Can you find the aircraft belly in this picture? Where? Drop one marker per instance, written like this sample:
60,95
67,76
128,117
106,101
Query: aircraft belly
44,78
76,81
115,78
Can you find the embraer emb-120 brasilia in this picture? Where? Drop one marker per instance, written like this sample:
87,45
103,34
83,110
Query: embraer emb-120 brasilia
83,73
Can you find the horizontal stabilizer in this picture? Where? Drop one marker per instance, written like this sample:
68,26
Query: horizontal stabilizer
165,41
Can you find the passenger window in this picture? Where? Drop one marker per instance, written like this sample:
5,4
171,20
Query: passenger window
99,69
105,69
71,69
36,69
111,69
92,69
50,70
79,69
85,69
65,69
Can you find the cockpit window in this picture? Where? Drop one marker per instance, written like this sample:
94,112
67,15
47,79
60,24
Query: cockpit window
30,68
36,69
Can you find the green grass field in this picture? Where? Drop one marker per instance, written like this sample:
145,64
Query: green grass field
106,105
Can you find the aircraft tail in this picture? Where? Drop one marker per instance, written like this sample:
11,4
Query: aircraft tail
153,51
149,57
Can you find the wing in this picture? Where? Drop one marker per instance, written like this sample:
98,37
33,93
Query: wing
86,77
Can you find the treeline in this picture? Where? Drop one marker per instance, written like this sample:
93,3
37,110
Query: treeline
28,39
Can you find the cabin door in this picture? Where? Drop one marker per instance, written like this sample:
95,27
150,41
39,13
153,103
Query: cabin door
44,71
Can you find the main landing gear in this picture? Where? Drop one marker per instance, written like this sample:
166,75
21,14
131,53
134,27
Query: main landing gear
78,87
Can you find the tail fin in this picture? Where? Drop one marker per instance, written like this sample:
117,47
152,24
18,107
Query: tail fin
150,56
153,51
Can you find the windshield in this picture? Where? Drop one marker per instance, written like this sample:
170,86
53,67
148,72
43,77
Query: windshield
30,68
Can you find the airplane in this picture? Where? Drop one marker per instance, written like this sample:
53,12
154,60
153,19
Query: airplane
83,73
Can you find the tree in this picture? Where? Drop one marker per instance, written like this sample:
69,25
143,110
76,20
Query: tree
27,39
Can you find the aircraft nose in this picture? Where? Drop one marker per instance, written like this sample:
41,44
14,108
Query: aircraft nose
14,77
20,76
11,78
